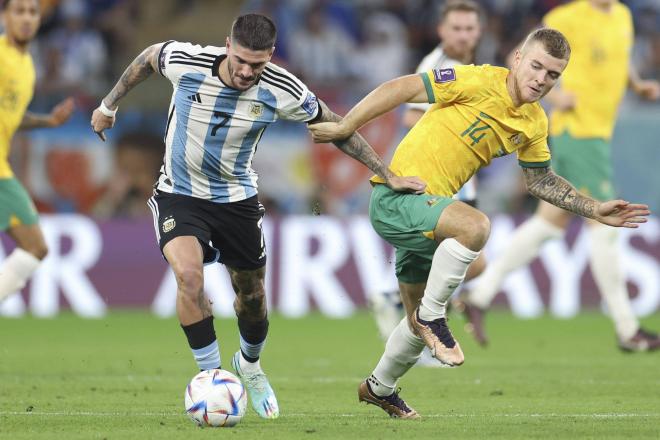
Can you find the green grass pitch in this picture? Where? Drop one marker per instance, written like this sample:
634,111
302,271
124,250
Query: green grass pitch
123,377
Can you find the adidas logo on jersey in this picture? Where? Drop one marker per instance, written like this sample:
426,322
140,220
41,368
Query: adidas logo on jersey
195,98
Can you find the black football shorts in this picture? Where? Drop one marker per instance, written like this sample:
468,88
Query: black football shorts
230,233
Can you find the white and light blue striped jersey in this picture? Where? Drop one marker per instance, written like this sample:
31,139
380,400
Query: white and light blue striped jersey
213,130
438,59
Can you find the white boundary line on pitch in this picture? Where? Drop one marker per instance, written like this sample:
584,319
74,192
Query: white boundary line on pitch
156,414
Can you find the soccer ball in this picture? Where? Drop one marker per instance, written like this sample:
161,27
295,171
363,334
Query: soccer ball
215,398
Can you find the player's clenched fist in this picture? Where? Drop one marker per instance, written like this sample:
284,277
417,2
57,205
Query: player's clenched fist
103,118
328,132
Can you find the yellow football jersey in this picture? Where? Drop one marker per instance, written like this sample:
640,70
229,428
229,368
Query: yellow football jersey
598,70
472,122
17,78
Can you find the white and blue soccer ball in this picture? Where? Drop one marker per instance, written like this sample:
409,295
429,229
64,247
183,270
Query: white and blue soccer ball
215,398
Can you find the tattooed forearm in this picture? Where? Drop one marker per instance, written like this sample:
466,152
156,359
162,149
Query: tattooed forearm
136,72
356,146
546,185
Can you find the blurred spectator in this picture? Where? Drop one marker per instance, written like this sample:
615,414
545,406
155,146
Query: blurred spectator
137,160
321,53
384,53
75,58
117,21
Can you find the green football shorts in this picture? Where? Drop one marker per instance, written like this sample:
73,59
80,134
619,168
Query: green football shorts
407,221
16,207
586,163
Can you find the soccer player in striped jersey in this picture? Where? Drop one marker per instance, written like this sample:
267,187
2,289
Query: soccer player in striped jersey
480,113
205,204
459,30
18,216
581,125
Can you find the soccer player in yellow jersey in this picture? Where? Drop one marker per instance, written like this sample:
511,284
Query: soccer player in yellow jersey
480,113
18,216
585,104
459,30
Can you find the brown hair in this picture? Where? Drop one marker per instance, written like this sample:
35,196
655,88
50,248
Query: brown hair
254,32
458,5
554,42
5,4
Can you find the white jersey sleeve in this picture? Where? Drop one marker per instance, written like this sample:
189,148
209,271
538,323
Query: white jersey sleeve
176,59
295,101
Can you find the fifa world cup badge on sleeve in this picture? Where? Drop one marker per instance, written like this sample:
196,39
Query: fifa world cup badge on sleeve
310,104
444,75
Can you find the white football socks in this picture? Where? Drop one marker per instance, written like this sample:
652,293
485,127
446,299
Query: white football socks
15,270
523,246
402,350
610,280
450,263
247,366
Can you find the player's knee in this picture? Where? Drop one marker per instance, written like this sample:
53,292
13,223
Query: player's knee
190,281
476,230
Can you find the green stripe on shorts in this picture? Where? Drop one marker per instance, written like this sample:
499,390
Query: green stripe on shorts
16,207
407,221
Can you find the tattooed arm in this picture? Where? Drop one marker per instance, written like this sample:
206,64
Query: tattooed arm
358,148
546,185
144,65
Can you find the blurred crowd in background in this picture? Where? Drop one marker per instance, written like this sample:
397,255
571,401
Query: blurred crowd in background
340,49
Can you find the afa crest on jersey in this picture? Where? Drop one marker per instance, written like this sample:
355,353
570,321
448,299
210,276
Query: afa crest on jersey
256,109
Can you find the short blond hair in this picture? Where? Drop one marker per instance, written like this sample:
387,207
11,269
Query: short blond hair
554,42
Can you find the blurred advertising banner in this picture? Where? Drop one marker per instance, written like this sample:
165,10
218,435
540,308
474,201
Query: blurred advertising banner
314,263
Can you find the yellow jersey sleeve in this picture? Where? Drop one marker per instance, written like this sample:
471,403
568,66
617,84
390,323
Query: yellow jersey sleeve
457,84
536,153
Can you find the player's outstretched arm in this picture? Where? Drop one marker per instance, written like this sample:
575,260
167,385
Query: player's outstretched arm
358,148
546,185
646,89
58,116
386,97
144,65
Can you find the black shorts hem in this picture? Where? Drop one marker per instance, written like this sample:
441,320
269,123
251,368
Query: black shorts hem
211,254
